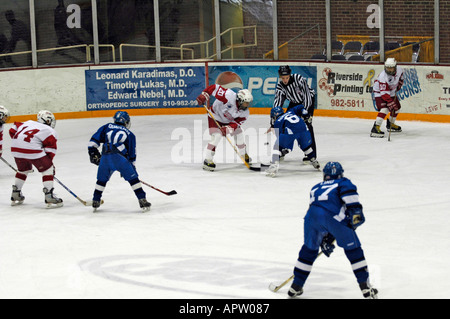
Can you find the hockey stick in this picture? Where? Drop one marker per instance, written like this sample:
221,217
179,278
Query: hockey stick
389,135
85,203
232,145
12,167
172,192
390,125
275,288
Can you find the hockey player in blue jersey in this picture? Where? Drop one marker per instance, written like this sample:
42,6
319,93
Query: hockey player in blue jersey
334,214
118,154
289,127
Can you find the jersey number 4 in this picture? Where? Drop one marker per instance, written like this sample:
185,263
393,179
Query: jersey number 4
28,134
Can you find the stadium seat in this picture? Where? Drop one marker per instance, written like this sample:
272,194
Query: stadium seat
388,46
337,47
352,48
338,57
356,57
319,57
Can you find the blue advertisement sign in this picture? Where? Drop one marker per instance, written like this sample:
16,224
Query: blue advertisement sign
134,88
259,79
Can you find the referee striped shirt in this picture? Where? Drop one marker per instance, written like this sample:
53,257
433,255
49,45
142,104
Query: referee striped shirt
296,91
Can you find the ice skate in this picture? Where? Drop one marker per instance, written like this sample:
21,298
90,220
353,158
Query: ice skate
295,291
367,291
376,131
284,152
208,165
144,205
51,200
16,197
315,163
273,169
95,205
393,127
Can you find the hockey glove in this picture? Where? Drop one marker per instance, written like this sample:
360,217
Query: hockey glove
306,117
392,106
355,216
226,130
94,155
327,245
202,98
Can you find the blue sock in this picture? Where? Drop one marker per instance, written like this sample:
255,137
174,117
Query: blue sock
99,188
137,187
304,263
359,264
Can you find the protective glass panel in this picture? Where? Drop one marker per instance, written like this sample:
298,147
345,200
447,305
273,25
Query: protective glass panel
355,30
246,29
187,29
63,31
15,35
128,26
409,31
301,29
444,32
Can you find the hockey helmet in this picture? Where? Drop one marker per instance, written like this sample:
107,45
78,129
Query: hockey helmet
284,70
333,170
390,66
122,118
47,118
4,114
275,113
243,99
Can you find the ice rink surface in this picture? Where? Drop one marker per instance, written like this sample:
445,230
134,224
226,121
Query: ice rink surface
230,233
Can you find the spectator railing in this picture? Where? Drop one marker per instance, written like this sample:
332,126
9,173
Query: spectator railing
123,45
231,47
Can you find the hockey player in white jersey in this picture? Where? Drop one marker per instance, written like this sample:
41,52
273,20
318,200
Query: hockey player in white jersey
34,143
4,116
385,89
230,110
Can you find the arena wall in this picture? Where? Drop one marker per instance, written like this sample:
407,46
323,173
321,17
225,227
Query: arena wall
343,89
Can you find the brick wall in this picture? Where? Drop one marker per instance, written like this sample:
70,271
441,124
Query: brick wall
182,21
403,18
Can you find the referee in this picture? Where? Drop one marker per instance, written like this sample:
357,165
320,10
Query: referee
295,89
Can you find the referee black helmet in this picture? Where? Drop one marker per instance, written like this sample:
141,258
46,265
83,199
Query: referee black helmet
284,70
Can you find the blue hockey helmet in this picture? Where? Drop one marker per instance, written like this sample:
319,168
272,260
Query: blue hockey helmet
333,170
275,113
122,118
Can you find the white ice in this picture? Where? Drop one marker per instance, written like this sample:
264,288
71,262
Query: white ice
232,232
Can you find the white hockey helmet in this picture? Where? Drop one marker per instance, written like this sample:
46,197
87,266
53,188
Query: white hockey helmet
4,114
46,117
390,66
244,98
